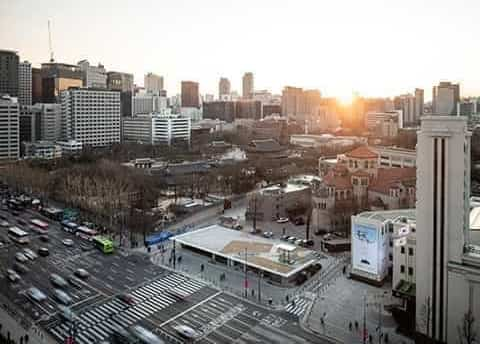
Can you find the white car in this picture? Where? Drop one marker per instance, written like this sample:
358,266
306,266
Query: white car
282,220
30,254
20,257
36,294
67,242
4,223
186,331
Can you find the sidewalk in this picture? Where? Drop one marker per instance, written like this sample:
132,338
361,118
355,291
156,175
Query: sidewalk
342,303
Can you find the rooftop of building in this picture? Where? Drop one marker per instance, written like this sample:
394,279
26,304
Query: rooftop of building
262,253
362,152
266,145
284,188
397,215
388,178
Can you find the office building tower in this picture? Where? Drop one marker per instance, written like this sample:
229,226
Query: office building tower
419,103
153,83
445,98
222,110
157,128
447,287
91,116
223,88
9,73
123,82
93,76
9,129
247,85
190,94
36,85
25,83
145,103
251,109
293,102
58,77
30,124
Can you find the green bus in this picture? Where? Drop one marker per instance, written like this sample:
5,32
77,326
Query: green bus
103,244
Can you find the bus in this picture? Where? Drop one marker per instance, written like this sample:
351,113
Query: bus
68,226
85,233
39,226
18,235
103,244
52,213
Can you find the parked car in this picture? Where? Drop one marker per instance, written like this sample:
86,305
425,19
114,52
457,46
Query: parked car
127,298
291,239
44,238
268,234
67,242
13,276
282,220
43,251
299,221
36,294
62,296
22,222
299,242
284,237
20,268
4,223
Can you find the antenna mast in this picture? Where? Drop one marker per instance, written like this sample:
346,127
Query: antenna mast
50,43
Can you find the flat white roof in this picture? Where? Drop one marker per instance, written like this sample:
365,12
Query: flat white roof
262,253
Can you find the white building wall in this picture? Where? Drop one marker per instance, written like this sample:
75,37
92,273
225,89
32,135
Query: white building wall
9,128
25,83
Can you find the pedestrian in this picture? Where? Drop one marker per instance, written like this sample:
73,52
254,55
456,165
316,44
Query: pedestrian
356,325
370,338
350,325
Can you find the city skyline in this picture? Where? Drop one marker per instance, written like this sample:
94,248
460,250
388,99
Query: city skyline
357,49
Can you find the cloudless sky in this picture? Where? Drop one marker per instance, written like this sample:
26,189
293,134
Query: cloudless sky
374,47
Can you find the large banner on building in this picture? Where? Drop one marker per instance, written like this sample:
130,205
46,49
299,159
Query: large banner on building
365,248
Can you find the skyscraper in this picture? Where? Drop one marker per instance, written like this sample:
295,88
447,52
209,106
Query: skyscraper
446,289
9,129
153,83
223,88
247,85
190,94
58,77
123,82
419,103
93,76
25,83
293,102
445,98
36,85
91,116
9,73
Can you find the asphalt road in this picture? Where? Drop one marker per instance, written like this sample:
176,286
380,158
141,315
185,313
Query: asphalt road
162,299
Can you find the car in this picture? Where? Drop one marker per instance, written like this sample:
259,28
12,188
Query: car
29,254
82,273
15,212
13,276
21,268
127,298
4,223
298,242
185,331
20,257
67,242
66,313
43,251
284,237
282,220
75,282
36,294
291,239
62,296
144,335
3,217
310,242
44,238
268,234
58,281
320,232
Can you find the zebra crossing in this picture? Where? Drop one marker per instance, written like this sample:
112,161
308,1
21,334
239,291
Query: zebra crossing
298,306
100,322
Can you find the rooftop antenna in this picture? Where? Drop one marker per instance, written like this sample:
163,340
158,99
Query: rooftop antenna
50,43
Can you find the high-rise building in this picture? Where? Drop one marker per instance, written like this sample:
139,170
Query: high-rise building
25,83
93,76
9,129
190,94
247,85
293,102
222,110
40,122
251,109
223,88
153,83
445,97
123,82
145,103
36,85
30,124
58,77
419,103
157,128
9,72
91,116
447,288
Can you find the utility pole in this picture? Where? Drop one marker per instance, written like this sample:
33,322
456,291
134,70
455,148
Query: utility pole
246,280
260,276
255,212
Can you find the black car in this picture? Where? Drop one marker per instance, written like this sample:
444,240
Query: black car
21,268
299,221
43,251
15,213
44,238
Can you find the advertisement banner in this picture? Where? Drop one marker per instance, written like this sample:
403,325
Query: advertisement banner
365,248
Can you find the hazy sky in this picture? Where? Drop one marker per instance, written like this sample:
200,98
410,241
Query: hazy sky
374,47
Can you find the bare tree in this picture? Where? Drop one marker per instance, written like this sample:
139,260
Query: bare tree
466,331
